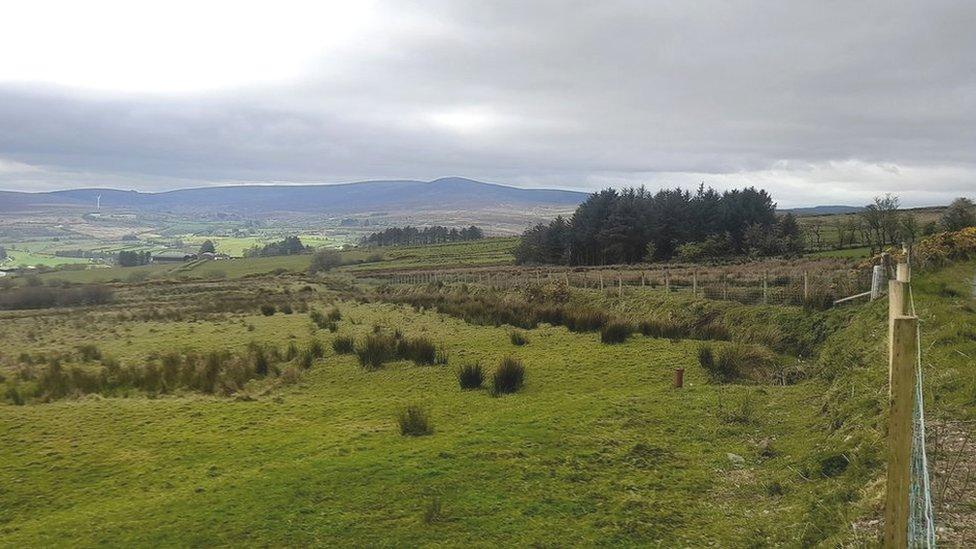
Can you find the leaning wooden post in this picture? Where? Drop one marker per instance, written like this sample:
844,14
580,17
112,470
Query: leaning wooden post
694,283
904,351
806,287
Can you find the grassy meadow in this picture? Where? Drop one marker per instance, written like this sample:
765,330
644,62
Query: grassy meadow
596,448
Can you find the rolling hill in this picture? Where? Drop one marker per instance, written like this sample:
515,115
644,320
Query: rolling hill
453,193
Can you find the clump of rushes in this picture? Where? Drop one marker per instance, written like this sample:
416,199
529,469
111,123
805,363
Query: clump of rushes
305,359
316,349
518,338
509,376
374,350
334,314
585,320
470,376
343,345
616,331
291,351
706,358
421,350
414,421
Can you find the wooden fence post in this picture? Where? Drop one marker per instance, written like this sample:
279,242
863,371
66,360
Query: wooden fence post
877,276
904,350
903,273
806,287
765,289
601,282
620,287
694,283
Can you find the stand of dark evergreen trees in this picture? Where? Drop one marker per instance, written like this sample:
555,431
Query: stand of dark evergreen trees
399,236
291,245
133,259
634,225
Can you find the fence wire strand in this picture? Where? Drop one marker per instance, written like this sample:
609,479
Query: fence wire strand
921,518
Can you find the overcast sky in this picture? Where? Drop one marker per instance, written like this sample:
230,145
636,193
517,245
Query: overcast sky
819,102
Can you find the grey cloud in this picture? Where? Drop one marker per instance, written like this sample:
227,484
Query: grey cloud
587,93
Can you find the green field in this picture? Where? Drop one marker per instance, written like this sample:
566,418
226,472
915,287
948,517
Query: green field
18,258
494,251
236,246
598,448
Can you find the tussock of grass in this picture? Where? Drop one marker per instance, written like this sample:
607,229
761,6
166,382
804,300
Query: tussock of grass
343,345
414,420
509,376
376,349
739,361
615,331
518,338
421,350
470,376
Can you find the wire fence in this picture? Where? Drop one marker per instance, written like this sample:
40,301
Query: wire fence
770,282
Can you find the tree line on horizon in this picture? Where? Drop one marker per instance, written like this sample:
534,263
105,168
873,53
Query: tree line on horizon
633,225
408,236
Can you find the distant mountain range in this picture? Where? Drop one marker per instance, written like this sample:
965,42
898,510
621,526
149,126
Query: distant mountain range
451,193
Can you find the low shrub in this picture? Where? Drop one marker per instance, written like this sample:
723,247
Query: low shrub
615,332
509,376
518,337
268,309
470,376
343,345
414,421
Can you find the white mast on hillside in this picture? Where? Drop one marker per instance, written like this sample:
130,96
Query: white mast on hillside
98,202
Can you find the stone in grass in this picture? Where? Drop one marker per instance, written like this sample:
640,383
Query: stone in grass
736,459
